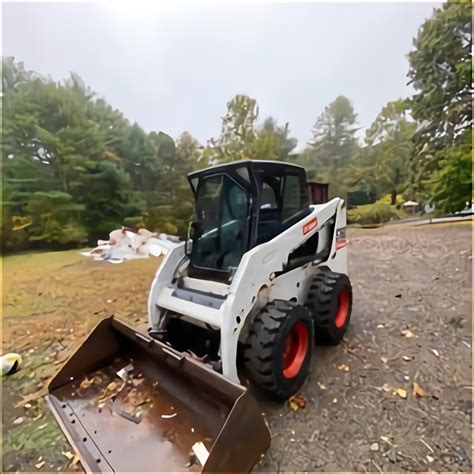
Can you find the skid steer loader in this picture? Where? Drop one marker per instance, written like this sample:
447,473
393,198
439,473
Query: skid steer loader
262,274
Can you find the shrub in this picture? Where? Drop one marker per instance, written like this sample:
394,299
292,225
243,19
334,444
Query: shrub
372,214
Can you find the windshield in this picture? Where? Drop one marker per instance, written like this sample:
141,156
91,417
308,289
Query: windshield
223,222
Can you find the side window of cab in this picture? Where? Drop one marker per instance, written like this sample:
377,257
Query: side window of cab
293,196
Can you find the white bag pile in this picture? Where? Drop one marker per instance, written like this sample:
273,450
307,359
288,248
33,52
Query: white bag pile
128,244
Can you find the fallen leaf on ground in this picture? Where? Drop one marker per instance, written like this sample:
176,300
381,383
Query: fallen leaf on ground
407,333
406,358
18,420
385,387
429,458
31,397
387,440
40,464
384,360
435,352
418,391
344,367
402,393
68,454
296,402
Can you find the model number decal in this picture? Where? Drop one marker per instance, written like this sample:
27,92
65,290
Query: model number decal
310,225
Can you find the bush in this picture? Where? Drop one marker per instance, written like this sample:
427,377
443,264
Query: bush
372,214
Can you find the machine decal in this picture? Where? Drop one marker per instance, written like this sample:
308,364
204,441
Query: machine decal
310,225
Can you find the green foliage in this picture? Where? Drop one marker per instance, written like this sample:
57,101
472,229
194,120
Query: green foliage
333,150
450,186
242,139
440,71
374,214
74,168
389,150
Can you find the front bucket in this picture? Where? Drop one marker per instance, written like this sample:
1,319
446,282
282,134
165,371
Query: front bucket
129,403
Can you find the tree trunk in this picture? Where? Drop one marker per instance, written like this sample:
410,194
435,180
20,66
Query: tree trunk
394,197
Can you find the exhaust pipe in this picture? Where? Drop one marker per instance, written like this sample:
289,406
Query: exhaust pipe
130,403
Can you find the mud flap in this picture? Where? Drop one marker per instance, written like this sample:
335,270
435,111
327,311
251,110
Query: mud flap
129,403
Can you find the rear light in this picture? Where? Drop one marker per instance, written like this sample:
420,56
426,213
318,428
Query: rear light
341,240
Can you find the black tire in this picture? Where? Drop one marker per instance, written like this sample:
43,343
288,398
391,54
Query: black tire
280,325
330,295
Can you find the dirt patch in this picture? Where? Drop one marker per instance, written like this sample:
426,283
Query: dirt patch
411,323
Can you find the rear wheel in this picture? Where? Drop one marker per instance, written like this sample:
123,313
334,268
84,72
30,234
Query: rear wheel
330,303
279,347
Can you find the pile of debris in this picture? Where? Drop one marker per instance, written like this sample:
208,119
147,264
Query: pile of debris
128,244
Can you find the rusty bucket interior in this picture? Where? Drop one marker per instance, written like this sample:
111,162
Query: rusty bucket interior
129,403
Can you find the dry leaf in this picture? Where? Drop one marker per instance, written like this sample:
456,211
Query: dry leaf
86,383
435,352
296,402
402,393
76,458
40,464
68,454
386,439
406,358
384,360
407,333
386,387
344,367
30,398
18,421
418,391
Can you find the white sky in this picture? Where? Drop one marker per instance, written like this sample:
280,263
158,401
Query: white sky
173,68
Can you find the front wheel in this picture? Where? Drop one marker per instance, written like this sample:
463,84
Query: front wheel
279,347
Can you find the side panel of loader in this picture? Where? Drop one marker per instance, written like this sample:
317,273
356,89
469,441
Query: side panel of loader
130,403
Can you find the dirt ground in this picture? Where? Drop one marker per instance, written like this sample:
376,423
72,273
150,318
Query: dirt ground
411,323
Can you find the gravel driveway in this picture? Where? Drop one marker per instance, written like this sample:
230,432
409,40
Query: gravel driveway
411,323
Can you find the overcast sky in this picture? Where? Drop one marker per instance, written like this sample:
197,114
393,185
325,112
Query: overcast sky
173,68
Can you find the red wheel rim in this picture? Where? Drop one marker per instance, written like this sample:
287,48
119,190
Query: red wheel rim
296,347
343,299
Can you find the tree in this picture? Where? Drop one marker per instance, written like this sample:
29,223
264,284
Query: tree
73,167
333,148
237,132
390,150
440,72
273,142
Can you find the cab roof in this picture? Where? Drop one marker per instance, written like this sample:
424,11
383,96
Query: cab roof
265,165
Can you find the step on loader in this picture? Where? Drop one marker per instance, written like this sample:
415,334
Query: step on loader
239,303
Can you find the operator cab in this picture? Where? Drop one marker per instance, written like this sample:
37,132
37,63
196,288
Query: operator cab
240,205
